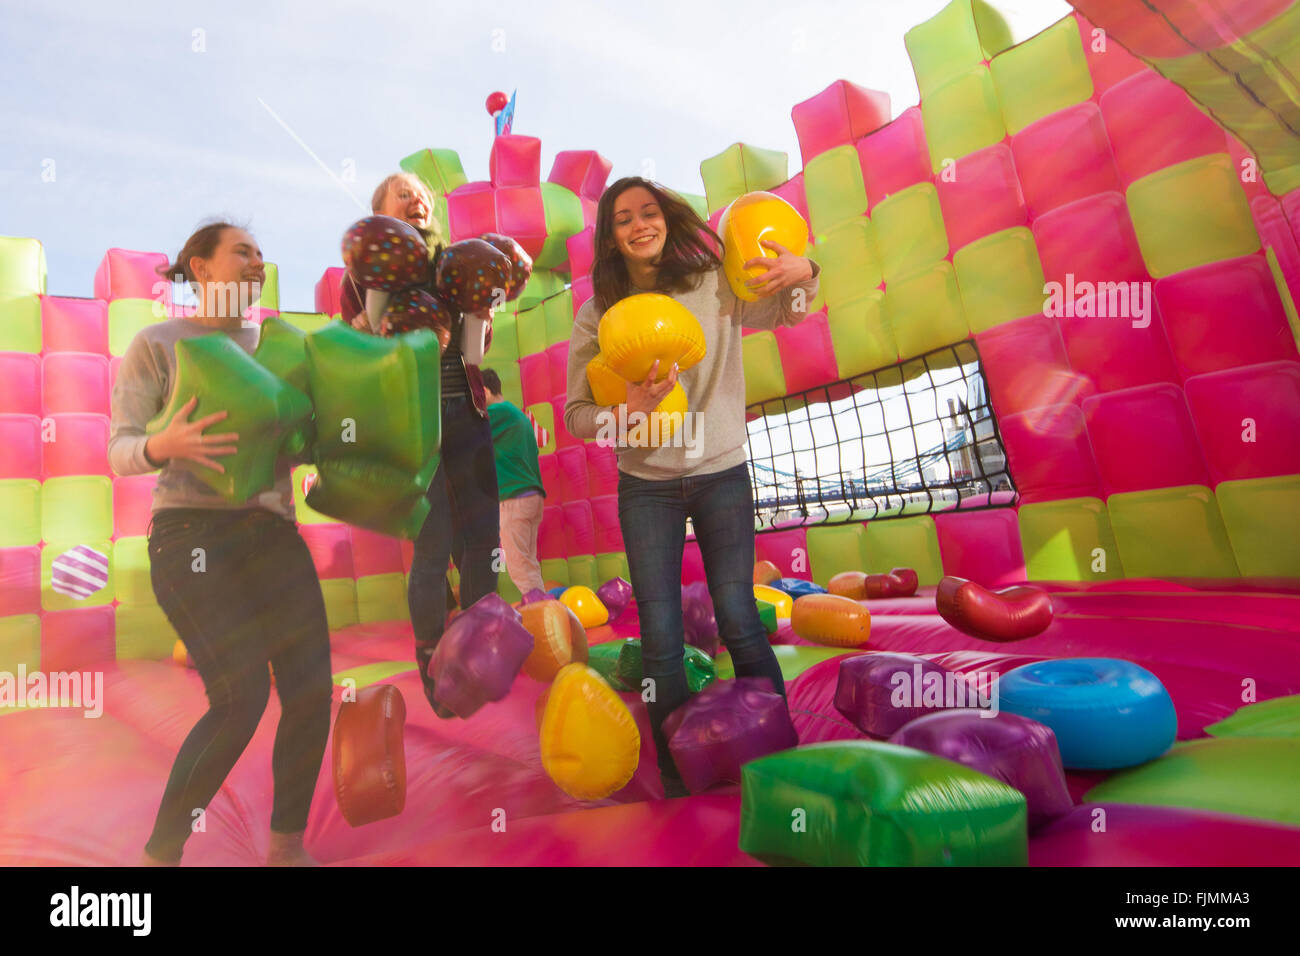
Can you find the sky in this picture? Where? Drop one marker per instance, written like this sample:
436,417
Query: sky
126,125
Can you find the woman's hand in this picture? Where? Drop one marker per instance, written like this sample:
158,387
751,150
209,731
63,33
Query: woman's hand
646,396
784,271
182,439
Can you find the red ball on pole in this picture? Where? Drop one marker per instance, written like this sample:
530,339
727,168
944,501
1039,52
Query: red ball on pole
496,102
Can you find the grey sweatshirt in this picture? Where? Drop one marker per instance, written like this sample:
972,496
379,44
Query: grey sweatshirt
143,387
715,387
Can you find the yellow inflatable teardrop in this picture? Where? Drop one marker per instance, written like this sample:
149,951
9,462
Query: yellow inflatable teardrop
609,388
589,741
582,601
783,603
749,220
637,330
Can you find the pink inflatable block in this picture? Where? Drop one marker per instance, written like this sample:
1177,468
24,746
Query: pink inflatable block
588,210
1269,395
579,532
1242,158
582,291
895,157
609,533
1143,836
1026,366
557,358
581,171
74,325
1194,304
535,378
1109,65
471,211
1274,231
562,437
573,473
1063,157
1152,124
784,549
602,469
1143,438
521,215
20,437
328,298
1114,354
75,382
692,562
842,113
807,354
1177,29
80,446
331,549
515,161
550,533
982,546
983,197
78,638
20,581
1090,239
792,192
408,554
20,383
374,553
582,251
123,274
549,467
1049,455
133,504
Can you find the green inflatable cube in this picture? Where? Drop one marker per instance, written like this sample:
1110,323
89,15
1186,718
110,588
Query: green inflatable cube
143,632
20,503
440,169
962,116
863,338
903,543
1069,540
1174,532
741,169
764,375
20,324
909,230
564,218
20,642
834,189
77,508
924,310
126,317
1000,277
1251,508
1041,76
851,263
1279,717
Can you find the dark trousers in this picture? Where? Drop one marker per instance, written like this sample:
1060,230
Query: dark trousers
241,590
652,515
463,525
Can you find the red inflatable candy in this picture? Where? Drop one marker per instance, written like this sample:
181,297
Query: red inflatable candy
411,309
908,578
384,253
496,102
521,263
470,273
1011,614
885,586
369,758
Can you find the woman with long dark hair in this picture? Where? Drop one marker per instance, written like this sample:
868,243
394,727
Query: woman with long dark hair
236,581
649,240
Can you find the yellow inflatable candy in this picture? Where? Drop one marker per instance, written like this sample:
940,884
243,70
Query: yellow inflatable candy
589,742
778,599
589,609
642,328
609,388
181,656
831,619
749,220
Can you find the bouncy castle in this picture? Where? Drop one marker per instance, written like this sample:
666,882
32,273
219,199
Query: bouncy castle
1098,227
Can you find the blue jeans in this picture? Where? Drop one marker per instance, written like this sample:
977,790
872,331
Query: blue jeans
463,524
652,515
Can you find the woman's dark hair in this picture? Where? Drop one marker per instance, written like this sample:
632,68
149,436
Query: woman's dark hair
491,380
203,244
686,251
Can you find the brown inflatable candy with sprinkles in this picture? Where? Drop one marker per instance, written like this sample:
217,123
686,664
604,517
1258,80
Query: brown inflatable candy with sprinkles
384,253
521,263
469,274
411,309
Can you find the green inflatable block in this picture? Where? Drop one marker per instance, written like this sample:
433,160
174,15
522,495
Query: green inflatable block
270,294
834,189
22,267
1068,540
366,674
862,803
1250,509
1279,717
793,659
563,210
378,429
863,338
1255,777
603,659
1041,76
264,411
1174,532
909,231
20,324
20,642
764,376
741,169
767,614
440,169
20,503
558,310
700,669
282,351
961,116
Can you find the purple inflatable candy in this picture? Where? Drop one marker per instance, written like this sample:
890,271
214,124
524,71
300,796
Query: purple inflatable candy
697,616
1016,750
479,656
879,693
725,726
615,594
534,594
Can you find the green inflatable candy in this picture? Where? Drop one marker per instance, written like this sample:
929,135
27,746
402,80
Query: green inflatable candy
700,672
1249,776
1279,717
603,659
377,426
282,351
863,803
264,410
767,614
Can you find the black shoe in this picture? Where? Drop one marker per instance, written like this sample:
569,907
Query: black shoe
422,657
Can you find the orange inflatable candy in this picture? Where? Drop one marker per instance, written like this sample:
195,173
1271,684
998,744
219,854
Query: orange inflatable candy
744,225
778,599
765,572
589,609
369,759
589,741
636,331
181,656
558,638
831,619
849,584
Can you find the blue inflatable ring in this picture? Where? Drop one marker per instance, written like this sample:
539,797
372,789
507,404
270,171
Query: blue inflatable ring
559,589
796,587
1106,713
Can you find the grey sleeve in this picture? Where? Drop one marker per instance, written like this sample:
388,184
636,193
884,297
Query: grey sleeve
580,408
138,395
779,309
